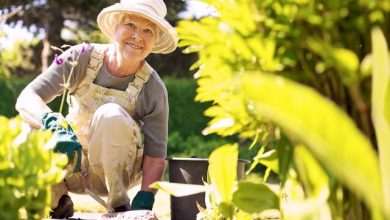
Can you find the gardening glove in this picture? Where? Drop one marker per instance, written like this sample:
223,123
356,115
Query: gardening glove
143,200
64,138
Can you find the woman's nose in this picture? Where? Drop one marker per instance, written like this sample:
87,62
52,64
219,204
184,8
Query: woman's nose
136,35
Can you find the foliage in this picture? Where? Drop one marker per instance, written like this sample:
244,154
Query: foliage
193,145
294,77
20,60
78,20
227,199
185,137
11,88
27,171
181,94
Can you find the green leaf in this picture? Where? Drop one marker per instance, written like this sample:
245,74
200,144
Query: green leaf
254,197
32,170
381,106
226,209
223,171
270,160
285,152
178,189
346,59
330,135
313,178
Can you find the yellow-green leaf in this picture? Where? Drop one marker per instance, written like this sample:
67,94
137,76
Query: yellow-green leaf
223,171
313,178
330,135
178,189
270,160
254,197
381,106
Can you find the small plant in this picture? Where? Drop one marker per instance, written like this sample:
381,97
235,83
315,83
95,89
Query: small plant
71,60
28,169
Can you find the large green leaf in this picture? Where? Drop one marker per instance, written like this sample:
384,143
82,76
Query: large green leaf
313,178
255,197
223,171
330,135
285,152
381,106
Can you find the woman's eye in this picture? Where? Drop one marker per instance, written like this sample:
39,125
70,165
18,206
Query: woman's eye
131,25
148,31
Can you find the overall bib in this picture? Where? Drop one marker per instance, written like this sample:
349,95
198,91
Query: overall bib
112,144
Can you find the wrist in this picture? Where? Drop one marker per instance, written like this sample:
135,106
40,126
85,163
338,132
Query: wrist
145,192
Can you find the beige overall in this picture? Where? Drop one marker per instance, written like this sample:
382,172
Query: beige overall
111,139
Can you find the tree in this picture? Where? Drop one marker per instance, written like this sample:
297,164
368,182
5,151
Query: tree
50,16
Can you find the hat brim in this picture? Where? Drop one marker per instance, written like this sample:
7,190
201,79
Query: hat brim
108,21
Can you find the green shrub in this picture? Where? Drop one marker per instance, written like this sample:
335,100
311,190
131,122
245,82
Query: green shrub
192,146
11,87
27,172
185,115
186,122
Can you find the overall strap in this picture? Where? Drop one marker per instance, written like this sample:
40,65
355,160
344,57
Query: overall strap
95,62
141,77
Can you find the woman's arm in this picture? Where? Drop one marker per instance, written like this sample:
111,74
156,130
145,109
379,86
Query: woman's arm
31,103
31,107
153,170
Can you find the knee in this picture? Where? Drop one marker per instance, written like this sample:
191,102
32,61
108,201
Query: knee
112,114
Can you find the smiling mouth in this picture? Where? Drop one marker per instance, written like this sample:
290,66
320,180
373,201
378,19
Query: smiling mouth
134,46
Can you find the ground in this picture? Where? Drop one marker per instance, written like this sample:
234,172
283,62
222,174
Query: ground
86,207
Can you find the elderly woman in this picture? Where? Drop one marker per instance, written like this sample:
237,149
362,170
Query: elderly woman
115,96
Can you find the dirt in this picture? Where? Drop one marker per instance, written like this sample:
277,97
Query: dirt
87,208
133,215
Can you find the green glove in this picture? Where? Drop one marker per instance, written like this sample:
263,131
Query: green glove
64,137
143,200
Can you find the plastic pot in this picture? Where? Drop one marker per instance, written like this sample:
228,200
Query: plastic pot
191,171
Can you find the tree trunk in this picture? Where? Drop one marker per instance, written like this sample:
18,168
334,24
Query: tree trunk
53,25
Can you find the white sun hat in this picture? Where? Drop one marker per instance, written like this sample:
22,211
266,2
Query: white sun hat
152,10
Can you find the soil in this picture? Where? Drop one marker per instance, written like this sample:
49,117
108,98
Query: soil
86,208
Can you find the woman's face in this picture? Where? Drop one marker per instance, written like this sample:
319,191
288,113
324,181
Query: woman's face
135,37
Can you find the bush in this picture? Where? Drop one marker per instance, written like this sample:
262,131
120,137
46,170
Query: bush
185,115
27,172
186,122
12,86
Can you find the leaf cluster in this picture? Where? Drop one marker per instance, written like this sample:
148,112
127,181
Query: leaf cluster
294,77
27,171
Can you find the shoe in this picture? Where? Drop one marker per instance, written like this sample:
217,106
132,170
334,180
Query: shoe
64,208
123,208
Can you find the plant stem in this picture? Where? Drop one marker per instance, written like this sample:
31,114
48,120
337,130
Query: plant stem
307,71
362,108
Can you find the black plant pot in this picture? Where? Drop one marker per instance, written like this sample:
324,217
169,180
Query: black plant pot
191,171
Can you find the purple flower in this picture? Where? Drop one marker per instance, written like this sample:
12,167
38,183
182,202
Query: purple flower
58,59
84,47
